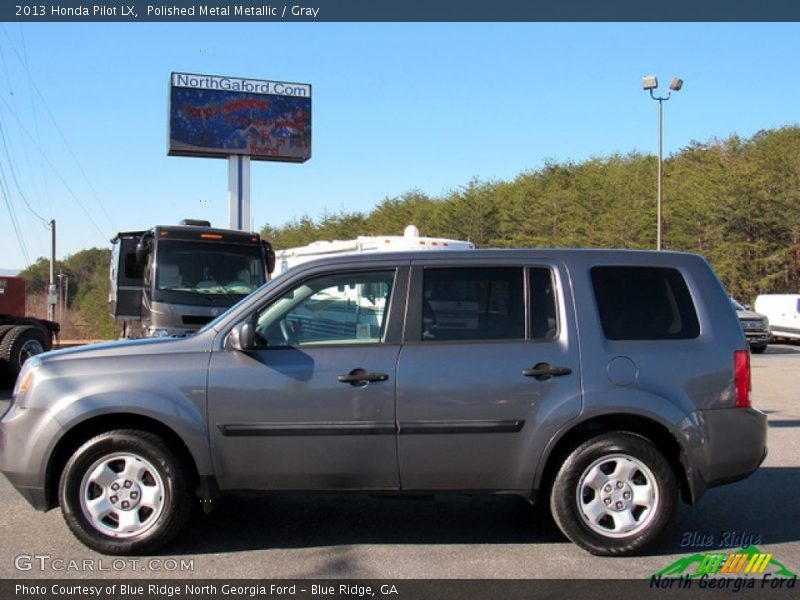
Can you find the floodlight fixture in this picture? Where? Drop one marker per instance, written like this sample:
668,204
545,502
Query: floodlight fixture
649,82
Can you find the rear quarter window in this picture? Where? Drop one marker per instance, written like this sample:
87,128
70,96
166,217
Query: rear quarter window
644,303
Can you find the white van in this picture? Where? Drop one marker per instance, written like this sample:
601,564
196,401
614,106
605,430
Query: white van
783,311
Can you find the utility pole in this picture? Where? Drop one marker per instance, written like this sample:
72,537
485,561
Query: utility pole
52,297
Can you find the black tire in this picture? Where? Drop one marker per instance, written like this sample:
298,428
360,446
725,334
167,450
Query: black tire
19,344
603,476
4,329
5,374
159,497
758,349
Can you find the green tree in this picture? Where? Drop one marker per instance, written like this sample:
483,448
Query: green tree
736,201
93,307
37,275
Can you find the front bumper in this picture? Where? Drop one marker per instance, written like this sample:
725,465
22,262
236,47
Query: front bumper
26,438
758,337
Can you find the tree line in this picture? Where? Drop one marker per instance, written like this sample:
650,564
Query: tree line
84,291
736,201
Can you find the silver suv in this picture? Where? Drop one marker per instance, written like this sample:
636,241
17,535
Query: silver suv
604,384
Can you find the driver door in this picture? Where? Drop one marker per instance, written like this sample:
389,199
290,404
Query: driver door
313,407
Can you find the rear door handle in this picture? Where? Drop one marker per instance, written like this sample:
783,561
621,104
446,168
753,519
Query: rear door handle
543,371
360,377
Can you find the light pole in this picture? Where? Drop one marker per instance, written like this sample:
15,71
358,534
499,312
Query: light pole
649,83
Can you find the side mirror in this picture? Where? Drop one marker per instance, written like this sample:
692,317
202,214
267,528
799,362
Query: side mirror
243,337
269,254
142,250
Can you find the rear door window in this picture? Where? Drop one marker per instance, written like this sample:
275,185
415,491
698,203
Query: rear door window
544,320
644,303
473,304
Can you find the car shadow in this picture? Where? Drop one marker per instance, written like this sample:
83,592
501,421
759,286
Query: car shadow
783,348
759,510
784,423
317,520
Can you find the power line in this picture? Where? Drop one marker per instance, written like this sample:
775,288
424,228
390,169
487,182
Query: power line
58,129
14,97
55,171
33,103
5,70
13,216
14,177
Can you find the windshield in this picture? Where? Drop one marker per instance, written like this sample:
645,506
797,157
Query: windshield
208,268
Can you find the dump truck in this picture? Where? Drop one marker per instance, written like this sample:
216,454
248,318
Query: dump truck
20,336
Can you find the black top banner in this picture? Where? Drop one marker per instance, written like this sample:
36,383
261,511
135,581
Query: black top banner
398,10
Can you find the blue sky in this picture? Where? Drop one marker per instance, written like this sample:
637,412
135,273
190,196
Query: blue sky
396,107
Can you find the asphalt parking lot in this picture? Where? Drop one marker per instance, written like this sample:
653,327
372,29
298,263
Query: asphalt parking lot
308,536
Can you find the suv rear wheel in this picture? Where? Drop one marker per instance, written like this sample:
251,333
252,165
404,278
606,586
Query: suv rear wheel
125,492
614,494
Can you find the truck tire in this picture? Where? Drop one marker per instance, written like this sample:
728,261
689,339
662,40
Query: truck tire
19,344
614,494
4,329
125,492
5,375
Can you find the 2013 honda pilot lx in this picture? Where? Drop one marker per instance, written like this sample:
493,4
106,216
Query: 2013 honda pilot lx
605,384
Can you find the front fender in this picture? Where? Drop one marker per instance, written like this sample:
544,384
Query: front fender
181,415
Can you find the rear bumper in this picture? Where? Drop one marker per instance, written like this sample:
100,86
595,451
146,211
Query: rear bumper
730,444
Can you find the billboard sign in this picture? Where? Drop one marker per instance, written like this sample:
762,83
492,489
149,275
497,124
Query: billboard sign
218,117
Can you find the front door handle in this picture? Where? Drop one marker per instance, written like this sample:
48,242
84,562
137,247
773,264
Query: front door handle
543,371
361,377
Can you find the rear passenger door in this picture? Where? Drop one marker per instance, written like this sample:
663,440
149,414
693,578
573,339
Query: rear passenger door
488,371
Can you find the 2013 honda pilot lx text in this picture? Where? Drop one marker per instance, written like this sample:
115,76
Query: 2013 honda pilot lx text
606,384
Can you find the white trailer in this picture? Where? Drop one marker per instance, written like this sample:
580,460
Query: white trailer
783,311
410,240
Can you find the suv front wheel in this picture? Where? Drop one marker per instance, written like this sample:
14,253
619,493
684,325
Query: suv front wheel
125,492
614,494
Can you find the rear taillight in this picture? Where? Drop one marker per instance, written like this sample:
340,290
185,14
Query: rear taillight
741,371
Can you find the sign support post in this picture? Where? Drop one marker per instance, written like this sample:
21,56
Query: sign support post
239,192
242,120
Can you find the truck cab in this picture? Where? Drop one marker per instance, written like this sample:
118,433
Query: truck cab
173,279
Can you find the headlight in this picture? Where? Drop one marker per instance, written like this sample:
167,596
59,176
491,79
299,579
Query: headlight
159,333
26,376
